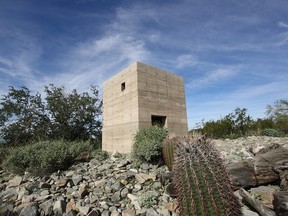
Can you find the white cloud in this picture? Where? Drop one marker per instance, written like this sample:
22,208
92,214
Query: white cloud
183,61
283,24
219,74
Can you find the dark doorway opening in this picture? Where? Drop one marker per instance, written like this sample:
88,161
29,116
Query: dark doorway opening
158,120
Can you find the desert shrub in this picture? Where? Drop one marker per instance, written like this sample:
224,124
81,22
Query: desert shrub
100,155
232,126
44,157
148,199
148,143
4,153
271,132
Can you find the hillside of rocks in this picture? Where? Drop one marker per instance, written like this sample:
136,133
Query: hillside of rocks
118,186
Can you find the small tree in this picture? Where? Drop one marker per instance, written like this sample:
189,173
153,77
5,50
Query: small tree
73,116
22,116
279,113
232,125
25,117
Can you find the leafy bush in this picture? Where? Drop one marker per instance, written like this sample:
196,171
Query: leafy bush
148,143
4,153
27,118
148,199
231,126
271,132
45,157
100,155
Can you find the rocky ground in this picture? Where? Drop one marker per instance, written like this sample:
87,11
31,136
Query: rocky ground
115,186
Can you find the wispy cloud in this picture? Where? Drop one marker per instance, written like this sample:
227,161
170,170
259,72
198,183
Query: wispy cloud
283,24
284,35
210,78
188,60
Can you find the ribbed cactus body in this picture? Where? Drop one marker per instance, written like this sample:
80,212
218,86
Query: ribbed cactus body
168,151
202,183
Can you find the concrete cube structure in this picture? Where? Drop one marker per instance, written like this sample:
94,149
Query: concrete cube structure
137,97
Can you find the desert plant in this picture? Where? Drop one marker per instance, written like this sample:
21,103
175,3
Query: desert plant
44,157
148,143
168,149
26,117
148,199
4,153
271,132
201,181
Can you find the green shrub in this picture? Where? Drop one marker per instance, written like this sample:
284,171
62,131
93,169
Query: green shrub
148,143
100,155
4,153
271,132
148,199
44,157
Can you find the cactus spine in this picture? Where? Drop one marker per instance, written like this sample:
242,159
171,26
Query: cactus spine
202,183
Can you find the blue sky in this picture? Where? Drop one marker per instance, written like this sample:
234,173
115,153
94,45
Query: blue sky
231,53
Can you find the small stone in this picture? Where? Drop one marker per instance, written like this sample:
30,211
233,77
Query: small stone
105,213
116,197
104,167
76,179
100,183
142,177
61,182
94,162
47,207
84,210
44,193
133,171
71,205
134,200
21,193
83,192
27,198
115,213
8,194
124,182
157,185
248,212
30,210
171,206
129,212
124,192
93,199
151,212
265,194
16,181
165,212
117,186
116,154
59,206
122,163
144,166
104,205
137,187
70,173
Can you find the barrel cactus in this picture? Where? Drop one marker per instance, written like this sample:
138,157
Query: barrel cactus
202,184
168,147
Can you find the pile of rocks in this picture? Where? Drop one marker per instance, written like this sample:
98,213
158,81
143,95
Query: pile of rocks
246,147
116,186
112,187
